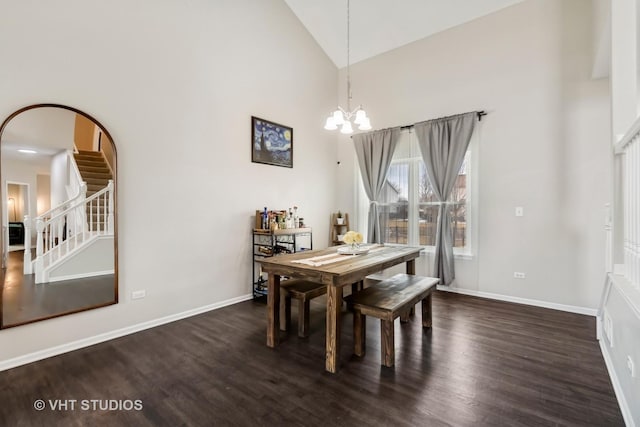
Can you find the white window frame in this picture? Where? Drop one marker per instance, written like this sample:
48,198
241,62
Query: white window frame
362,202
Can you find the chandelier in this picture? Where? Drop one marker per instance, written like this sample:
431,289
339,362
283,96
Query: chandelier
342,117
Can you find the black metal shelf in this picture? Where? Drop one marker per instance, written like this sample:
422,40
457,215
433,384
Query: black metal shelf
274,243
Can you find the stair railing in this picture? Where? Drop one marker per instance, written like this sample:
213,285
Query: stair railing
76,189
44,217
66,230
629,149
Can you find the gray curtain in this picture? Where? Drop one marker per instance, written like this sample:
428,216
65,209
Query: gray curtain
443,144
375,150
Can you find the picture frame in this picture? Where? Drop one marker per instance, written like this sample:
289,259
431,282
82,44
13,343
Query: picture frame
271,143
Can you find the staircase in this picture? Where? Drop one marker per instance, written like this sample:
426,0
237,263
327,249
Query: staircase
95,171
75,239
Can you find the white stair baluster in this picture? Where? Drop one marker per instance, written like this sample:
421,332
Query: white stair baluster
636,209
103,214
83,206
110,207
97,203
28,268
91,216
39,248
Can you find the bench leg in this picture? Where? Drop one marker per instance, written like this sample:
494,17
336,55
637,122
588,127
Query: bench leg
426,312
357,286
359,333
404,317
303,318
411,269
387,344
285,312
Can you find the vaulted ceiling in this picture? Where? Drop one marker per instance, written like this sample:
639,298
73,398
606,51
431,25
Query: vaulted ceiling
378,26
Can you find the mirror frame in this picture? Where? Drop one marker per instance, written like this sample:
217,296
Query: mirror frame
115,215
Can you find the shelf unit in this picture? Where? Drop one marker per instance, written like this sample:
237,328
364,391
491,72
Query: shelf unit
338,229
268,243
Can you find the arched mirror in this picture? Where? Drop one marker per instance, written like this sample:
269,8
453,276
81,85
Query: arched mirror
59,230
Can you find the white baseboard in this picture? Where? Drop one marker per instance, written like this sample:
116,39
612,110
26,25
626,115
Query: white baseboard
617,388
79,276
86,342
526,301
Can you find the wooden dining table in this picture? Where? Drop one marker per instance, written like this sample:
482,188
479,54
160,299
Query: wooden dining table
334,270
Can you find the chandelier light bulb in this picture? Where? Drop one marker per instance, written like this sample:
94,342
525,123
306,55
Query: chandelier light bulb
346,128
361,116
330,124
365,125
338,117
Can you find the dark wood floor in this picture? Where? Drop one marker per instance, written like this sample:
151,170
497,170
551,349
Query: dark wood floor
485,363
24,301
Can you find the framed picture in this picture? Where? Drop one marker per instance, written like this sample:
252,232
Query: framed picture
271,143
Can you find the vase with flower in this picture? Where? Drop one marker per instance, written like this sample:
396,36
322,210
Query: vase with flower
353,239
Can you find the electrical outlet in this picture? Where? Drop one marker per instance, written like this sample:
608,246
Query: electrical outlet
138,294
631,367
518,275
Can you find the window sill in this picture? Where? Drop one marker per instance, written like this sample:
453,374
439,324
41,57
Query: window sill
430,250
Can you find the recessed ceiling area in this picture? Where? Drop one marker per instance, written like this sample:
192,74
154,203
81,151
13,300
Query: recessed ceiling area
378,26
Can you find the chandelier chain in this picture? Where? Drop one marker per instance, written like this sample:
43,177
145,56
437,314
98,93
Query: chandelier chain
348,56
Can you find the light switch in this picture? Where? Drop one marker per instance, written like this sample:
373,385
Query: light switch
519,211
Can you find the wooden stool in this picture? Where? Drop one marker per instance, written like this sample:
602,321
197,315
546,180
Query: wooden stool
304,291
387,300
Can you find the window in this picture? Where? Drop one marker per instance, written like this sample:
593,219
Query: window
408,208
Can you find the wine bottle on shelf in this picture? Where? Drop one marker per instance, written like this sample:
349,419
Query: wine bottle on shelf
296,219
265,219
290,219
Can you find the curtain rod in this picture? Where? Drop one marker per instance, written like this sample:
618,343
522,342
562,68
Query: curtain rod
478,113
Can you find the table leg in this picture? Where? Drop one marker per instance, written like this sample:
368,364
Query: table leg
411,266
273,310
411,269
359,333
334,302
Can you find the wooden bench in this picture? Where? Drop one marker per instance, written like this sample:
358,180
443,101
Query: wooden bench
304,291
387,300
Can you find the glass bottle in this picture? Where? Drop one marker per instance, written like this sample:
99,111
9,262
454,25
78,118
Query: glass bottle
265,219
290,219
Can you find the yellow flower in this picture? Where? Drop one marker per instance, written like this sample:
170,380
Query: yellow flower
352,237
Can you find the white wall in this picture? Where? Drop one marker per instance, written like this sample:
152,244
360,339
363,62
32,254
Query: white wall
623,308
43,193
176,87
59,178
543,145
